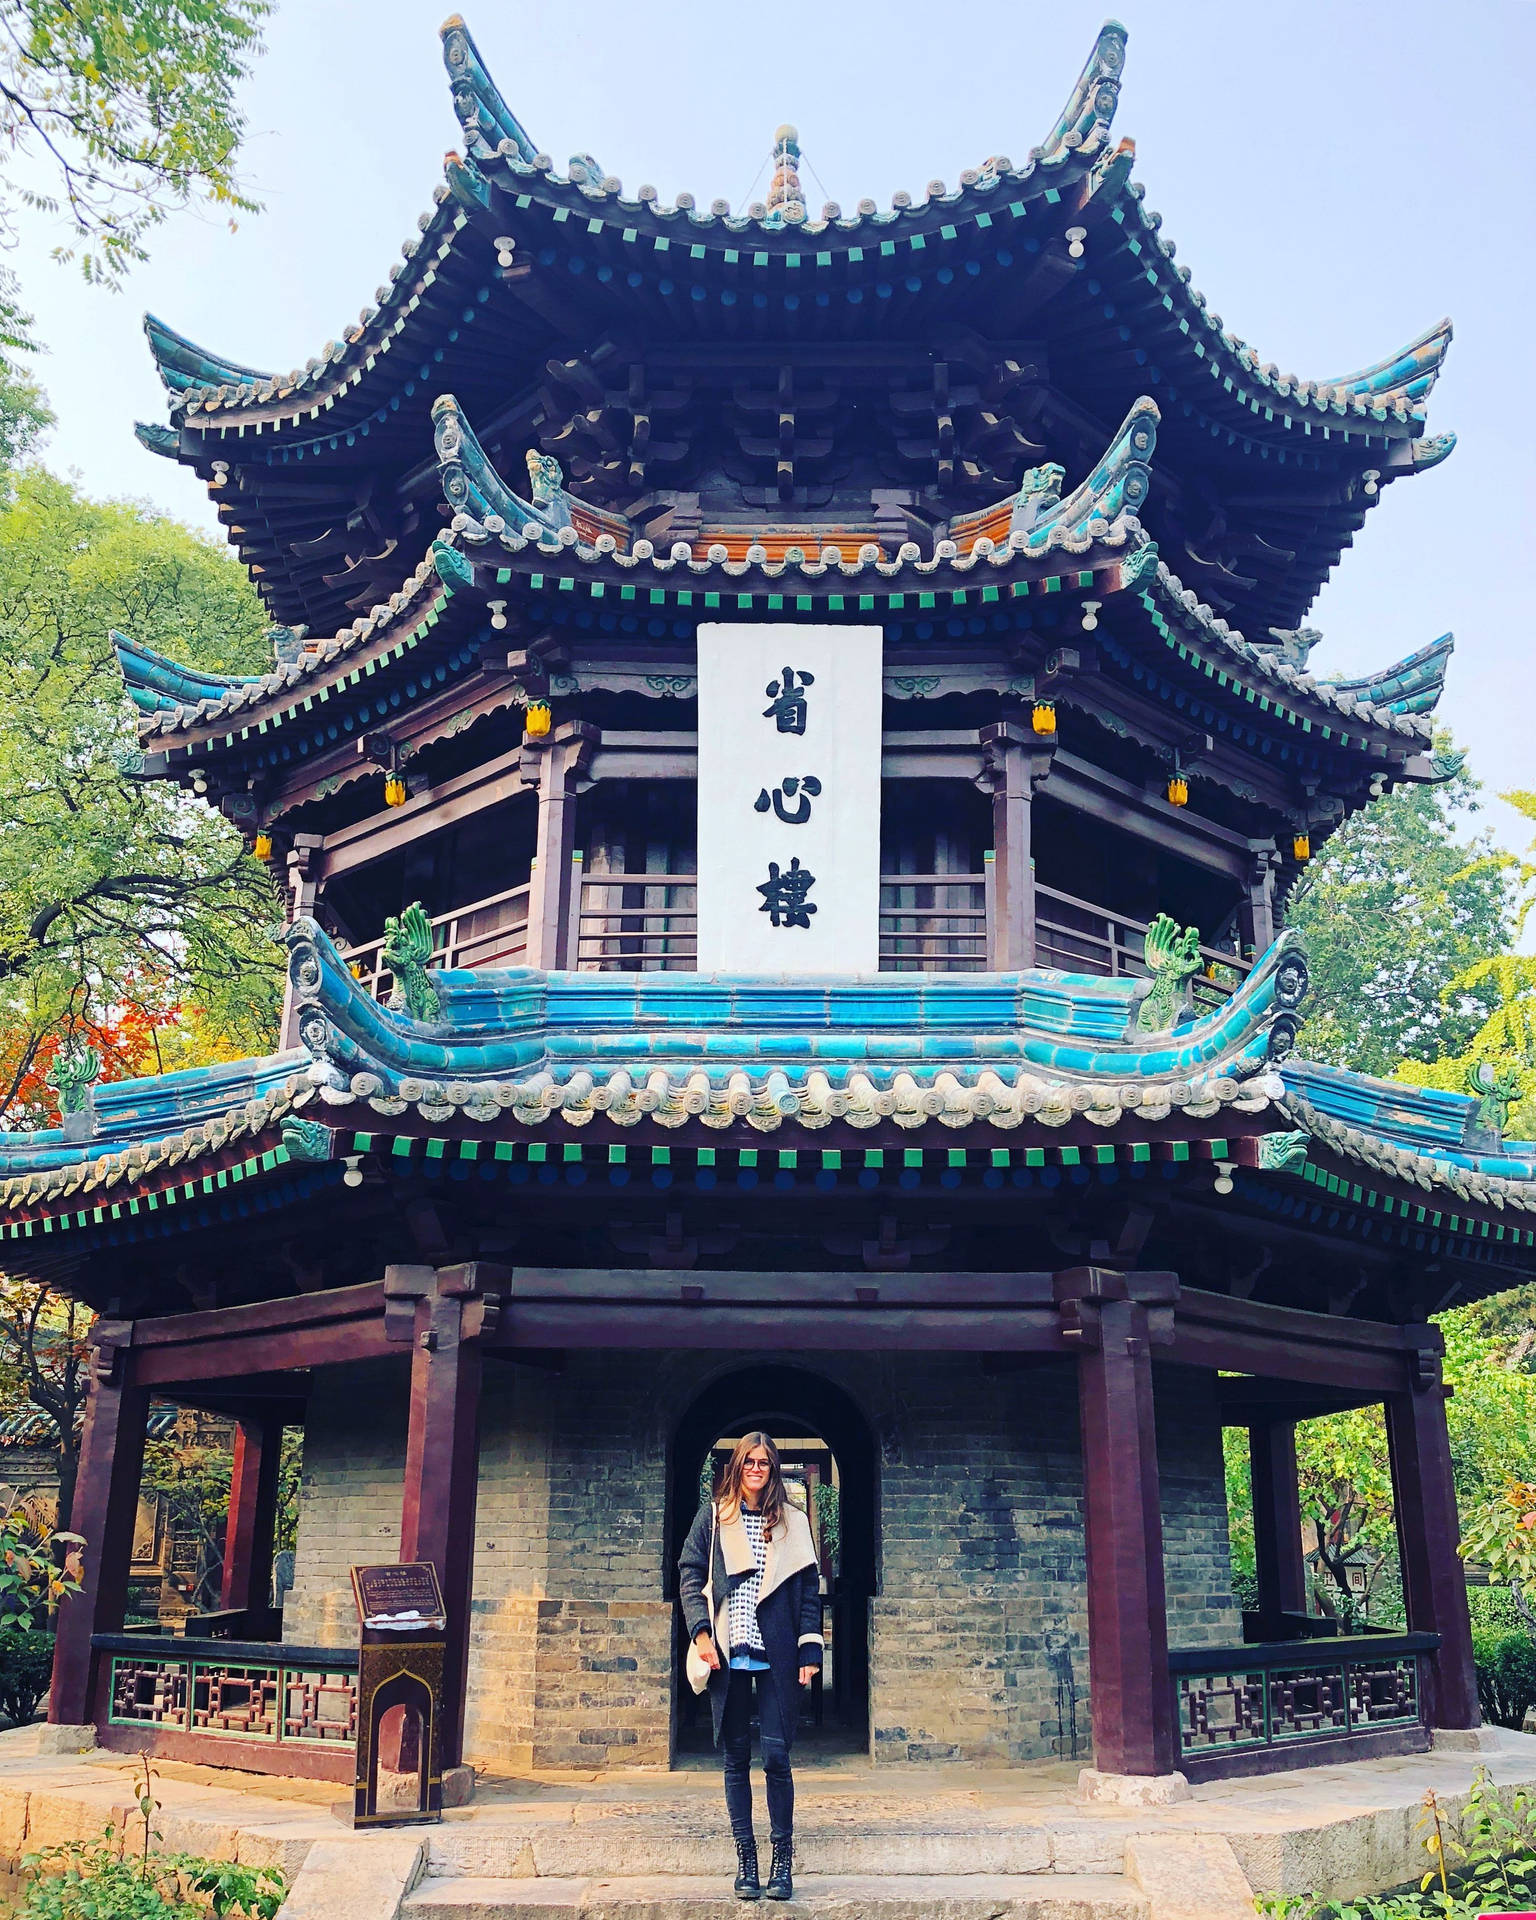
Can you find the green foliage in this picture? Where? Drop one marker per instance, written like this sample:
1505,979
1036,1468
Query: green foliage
1492,1609
1500,1534
125,1877
25,417
116,893
1506,1675
90,1880
1397,910
1346,1486
118,111
1482,1859
829,1518
26,1667
32,1580
1505,983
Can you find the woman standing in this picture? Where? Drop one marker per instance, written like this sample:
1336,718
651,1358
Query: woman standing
751,1596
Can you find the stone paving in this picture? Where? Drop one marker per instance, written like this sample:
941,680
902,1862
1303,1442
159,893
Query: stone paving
949,1842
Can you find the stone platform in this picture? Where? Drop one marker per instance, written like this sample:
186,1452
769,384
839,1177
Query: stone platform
942,1842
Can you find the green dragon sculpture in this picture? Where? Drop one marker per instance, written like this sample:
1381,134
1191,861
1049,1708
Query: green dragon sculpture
1496,1089
1283,1152
1172,954
76,1070
546,478
406,949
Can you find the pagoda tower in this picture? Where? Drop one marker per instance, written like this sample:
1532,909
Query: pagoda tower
789,739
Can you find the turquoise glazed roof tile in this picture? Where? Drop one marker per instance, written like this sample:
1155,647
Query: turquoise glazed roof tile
1015,1045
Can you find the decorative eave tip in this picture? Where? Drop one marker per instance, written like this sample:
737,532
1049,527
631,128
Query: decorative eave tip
489,123
182,363
1084,125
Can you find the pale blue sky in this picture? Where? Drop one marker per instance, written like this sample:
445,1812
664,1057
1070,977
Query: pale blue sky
1336,175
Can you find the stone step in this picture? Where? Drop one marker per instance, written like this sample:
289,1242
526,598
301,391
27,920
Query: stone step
959,1896
892,1842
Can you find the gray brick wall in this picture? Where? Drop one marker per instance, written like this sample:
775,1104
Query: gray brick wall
978,1631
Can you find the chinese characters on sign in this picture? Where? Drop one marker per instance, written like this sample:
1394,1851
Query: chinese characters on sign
789,848
784,895
807,787
787,694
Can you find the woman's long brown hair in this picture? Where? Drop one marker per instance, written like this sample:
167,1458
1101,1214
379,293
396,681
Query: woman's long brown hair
773,1500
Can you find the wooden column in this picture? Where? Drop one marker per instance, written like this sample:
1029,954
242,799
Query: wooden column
1114,1318
1257,914
1014,763
557,767
1428,1536
448,1313
106,1506
252,1524
1278,1559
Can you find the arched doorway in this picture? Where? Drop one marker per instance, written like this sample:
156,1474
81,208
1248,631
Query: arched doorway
827,1442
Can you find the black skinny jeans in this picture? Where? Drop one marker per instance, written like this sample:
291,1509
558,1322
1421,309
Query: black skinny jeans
736,1739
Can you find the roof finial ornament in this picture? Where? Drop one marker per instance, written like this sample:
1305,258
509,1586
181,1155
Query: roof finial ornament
786,200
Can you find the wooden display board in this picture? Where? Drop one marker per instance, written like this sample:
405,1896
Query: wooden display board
402,1646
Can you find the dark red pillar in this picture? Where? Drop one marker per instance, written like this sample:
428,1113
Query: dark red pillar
1278,1559
106,1505
1014,763
1428,1538
248,1536
442,1468
1130,1690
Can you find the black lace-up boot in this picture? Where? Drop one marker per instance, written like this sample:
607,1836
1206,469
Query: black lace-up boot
748,1886
781,1884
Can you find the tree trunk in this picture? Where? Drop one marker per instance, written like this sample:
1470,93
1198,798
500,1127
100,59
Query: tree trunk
69,1469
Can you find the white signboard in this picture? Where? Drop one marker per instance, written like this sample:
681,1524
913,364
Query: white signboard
789,799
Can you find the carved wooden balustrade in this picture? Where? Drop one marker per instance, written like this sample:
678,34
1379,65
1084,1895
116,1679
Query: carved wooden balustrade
486,933
1075,936
1249,1709
207,1698
929,923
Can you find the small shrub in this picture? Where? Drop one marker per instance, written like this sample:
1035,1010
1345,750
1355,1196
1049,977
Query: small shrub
1506,1674
108,1879
26,1668
1482,1860
90,1880
1494,1607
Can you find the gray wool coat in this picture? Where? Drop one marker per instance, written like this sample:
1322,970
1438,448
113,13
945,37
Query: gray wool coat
788,1605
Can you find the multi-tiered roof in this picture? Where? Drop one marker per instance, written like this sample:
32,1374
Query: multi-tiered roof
996,419
997,414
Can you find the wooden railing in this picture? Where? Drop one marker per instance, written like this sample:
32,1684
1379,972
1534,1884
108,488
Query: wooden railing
935,922
487,933
1298,1703
1076,936
635,922
929,923
231,1690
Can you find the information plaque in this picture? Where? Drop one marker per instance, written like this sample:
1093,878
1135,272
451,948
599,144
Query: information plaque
402,1646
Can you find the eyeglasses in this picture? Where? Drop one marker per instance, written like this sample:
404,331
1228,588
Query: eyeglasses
755,1466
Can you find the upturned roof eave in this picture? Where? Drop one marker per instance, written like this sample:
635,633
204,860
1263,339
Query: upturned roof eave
1009,1059
501,186
452,591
